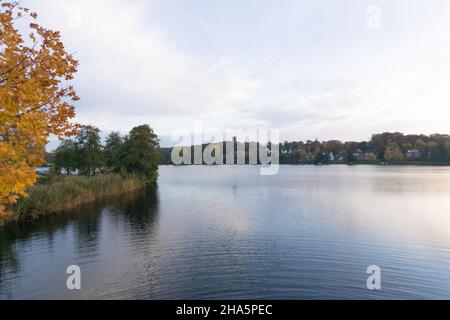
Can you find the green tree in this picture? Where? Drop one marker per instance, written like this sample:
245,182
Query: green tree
440,153
66,156
89,150
322,157
350,157
430,148
113,148
140,153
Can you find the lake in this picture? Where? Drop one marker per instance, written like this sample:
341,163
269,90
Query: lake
226,232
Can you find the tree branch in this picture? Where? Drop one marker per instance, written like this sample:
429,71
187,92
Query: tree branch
36,107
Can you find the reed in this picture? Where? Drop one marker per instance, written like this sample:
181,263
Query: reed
66,193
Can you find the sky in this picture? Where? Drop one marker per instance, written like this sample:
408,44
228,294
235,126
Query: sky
321,69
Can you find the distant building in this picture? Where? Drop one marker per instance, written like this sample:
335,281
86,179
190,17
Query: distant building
365,155
332,157
358,155
286,151
413,155
73,172
43,170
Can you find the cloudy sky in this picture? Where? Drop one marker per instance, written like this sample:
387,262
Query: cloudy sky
312,69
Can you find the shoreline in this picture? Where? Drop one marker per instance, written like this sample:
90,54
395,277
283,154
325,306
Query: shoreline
400,163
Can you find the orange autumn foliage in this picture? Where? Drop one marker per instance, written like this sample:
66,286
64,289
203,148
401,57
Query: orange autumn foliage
35,99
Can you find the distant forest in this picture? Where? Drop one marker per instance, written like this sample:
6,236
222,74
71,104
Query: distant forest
382,148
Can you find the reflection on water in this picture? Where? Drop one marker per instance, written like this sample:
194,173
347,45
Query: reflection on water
34,256
227,232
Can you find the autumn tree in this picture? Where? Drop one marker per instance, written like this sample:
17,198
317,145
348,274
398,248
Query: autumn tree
35,98
303,155
393,152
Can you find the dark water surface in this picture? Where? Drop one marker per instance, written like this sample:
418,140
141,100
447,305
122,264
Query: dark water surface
227,232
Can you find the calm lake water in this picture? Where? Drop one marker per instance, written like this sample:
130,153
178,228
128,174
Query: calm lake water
224,232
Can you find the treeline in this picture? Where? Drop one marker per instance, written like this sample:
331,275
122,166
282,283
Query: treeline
385,147
136,153
388,147
227,152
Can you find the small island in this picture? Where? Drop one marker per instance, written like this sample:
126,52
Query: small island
83,170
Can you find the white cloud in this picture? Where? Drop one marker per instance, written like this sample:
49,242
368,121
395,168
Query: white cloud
129,72
307,72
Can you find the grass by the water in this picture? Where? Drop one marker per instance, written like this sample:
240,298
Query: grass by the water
65,193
